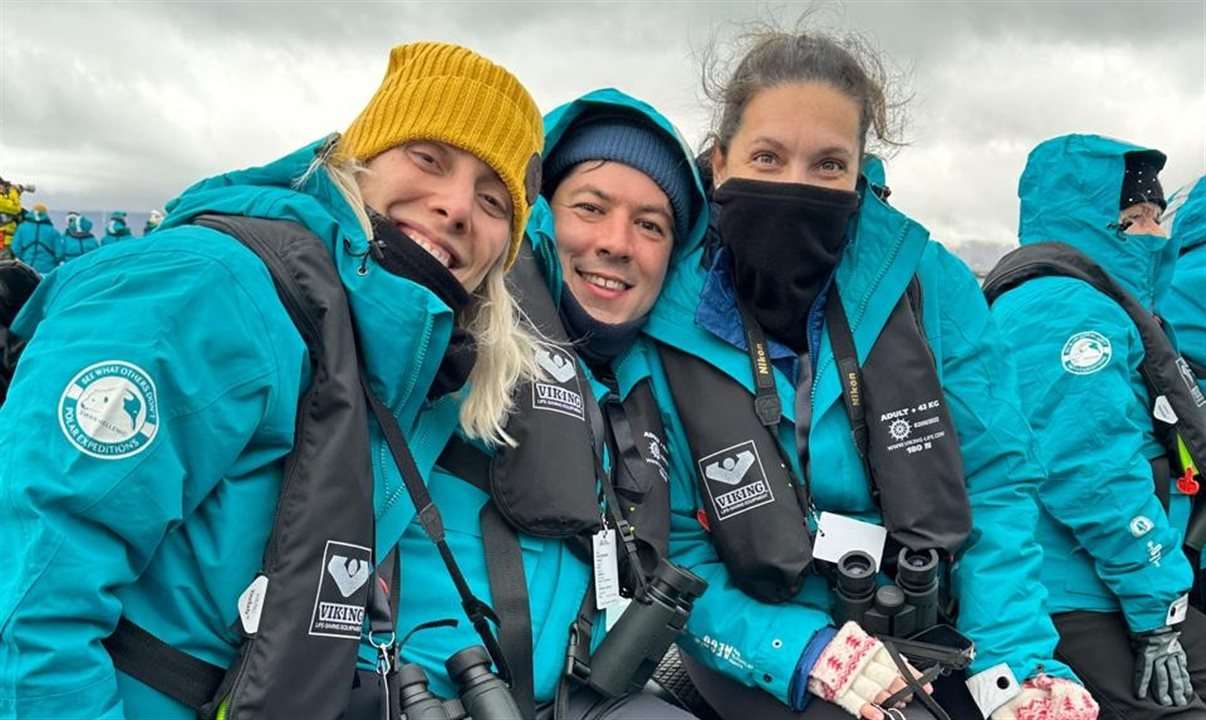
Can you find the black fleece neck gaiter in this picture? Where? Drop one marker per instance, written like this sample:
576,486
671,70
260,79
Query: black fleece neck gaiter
598,343
785,240
399,255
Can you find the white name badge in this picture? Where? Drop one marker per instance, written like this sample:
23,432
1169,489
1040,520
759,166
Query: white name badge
838,535
607,570
993,688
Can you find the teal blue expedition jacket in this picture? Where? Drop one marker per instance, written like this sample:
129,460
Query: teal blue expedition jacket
996,576
557,579
1107,544
171,532
1185,305
36,242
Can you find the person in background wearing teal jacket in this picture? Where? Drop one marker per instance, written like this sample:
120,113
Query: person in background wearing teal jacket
160,513
77,238
793,224
154,219
1115,572
37,240
117,229
1185,305
620,199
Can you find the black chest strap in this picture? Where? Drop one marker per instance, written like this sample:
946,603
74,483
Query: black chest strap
180,676
509,592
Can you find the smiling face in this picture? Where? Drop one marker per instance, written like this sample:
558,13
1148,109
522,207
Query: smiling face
614,237
445,199
807,133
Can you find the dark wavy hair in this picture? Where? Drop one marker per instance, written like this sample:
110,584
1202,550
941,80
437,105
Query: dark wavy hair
770,57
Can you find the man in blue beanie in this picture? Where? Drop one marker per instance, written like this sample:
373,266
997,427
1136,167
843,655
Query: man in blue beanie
580,503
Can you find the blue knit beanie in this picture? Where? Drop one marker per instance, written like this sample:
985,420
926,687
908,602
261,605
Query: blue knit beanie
627,140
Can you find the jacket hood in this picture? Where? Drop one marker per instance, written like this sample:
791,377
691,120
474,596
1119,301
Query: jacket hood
381,303
1188,208
556,123
1069,193
117,225
79,226
268,191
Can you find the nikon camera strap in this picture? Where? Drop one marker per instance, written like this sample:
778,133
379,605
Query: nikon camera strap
903,430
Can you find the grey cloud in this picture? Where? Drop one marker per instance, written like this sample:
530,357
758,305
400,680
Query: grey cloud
102,103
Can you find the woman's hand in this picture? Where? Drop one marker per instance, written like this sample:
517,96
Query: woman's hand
1047,698
856,673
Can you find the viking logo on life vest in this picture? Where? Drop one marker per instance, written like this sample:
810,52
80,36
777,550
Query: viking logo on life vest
735,480
340,600
564,394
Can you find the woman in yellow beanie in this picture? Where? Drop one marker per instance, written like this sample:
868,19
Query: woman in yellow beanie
187,456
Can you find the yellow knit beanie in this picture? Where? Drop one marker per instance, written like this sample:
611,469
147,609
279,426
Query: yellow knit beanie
436,91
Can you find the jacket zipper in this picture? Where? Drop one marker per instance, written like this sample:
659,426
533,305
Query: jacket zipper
397,492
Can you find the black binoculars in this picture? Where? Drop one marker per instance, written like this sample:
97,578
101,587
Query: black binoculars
481,694
632,649
900,610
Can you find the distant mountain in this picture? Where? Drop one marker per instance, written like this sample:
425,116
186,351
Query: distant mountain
981,255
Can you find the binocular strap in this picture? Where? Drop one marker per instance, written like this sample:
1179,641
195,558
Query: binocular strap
913,685
429,516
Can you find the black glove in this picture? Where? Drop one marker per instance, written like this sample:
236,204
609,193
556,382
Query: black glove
1161,668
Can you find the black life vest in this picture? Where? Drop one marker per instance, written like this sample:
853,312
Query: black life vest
547,484
902,429
318,561
1171,383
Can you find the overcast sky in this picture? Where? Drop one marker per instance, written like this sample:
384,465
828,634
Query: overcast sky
123,105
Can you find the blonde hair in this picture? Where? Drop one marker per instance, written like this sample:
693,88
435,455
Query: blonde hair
506,347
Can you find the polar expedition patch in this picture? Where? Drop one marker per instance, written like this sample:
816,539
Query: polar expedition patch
109,410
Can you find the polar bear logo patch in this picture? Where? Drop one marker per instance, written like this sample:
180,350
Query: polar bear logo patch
109,410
